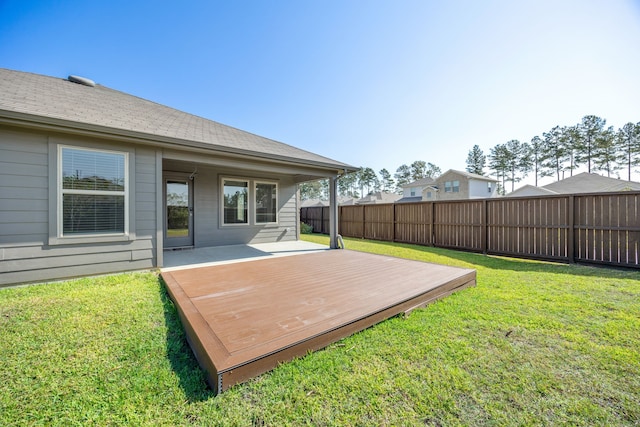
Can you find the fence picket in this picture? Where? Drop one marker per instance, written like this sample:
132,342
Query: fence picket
602,228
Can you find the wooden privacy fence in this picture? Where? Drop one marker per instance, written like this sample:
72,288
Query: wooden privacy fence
601,228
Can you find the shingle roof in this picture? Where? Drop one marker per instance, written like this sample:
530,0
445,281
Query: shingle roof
590,183
471,175
420,182
412,199
378,197
61,102
581,183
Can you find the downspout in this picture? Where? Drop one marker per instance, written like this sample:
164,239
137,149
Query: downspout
335,240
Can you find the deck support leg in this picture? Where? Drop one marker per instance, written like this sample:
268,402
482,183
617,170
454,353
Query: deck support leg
333,212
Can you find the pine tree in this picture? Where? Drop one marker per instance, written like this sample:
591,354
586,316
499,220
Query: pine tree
310,190
517,160
418,169
628,140
476,161
555,153
498,163
367,179
432,171
386,181
537,157
569,141
606,152
590,129
402,176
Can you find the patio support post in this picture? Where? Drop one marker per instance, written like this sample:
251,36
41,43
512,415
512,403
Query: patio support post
333,212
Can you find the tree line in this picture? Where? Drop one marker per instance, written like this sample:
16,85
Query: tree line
562,149
366,181
589,143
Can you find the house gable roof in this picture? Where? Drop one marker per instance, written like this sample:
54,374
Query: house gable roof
59,102
590,183
420,182
468,175
530,190
378,197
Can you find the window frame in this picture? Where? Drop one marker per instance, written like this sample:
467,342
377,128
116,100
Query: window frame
62,192
56,215
255,206
222,202
448,187
252,220
455,186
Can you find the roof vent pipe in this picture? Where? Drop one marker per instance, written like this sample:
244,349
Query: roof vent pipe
81,80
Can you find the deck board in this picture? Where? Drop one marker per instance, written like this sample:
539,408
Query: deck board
243,319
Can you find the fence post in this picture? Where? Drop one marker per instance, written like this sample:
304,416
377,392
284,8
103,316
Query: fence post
484,226
393,224
364,222
571,230
433,223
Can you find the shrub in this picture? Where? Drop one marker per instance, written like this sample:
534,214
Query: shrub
305,228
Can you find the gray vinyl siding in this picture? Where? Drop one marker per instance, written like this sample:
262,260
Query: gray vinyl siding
208,230
26,254
145,206
23,190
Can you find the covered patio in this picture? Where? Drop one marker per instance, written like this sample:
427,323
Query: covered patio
246,309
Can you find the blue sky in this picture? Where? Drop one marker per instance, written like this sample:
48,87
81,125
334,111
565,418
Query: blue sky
371,83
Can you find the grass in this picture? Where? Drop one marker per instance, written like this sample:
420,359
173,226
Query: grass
533,343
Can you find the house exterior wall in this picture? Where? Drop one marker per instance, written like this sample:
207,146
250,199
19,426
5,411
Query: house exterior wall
208,229
411,191
29,249
463,192
479,189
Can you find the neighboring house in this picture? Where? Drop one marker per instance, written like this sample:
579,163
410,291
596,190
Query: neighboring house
454,184
412,192
377,198
581,183
93,180
342,201
313,203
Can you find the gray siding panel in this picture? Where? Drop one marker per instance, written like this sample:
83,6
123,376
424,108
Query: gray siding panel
16,217
19,228
19,240
16,169
65,250
209,231
145,193
23,189
24,206
50,274
25,252
64,261
11,193
26,181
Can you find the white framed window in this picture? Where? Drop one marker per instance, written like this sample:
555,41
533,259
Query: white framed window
266,202
92,192
489,187
248,202
235,206
447,186
456,186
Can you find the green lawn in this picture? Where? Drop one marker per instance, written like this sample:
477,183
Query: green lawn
532,344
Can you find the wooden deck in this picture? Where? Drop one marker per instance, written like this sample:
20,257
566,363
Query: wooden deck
242,319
